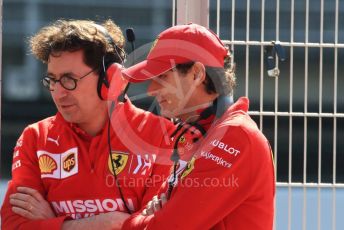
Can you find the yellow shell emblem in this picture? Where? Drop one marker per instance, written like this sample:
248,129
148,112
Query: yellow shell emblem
189,167
47,165
119,161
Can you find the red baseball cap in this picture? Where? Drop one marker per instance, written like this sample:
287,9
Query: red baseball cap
176,45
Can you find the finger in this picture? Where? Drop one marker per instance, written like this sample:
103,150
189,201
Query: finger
27,204
149,211
149,208
26,198
149,204
156,204
144,212
30,191
22,212
19,203
163,199
20,196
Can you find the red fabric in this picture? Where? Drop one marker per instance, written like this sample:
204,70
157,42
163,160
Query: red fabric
176,45
231,183
71,169
117,83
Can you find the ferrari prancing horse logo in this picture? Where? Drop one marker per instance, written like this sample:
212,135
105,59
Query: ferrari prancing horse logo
119,160
189,167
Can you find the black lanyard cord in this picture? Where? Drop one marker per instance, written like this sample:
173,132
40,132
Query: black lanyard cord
171,183
114,168
175,155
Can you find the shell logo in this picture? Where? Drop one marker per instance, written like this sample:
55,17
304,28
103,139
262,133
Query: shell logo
47,165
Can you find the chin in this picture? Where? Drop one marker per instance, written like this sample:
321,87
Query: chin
165,113
70,117
168,114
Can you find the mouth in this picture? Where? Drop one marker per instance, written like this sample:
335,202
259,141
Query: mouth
67,107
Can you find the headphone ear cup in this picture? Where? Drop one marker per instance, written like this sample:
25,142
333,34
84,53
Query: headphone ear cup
103,78
100,83
112,83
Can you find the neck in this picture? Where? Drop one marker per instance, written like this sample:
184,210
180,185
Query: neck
98,122
191,114
201,103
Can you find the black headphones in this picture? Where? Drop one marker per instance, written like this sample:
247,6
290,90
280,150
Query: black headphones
109,66
108,69
218,108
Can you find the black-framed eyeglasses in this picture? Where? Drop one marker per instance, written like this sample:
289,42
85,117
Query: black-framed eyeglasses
67,81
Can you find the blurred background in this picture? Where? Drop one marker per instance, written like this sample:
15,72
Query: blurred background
24,100
300,112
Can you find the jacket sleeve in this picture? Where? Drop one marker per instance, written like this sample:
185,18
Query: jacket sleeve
218,181
25,172
153,184
162,164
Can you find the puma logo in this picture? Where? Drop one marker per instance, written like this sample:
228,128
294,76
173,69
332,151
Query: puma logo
56,141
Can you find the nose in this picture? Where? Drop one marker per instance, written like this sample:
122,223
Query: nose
59,91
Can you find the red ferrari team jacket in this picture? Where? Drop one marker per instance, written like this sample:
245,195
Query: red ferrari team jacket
73,170
228,183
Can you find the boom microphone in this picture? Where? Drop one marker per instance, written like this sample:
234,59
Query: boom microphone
131,37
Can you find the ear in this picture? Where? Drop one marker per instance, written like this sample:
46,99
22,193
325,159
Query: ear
199,73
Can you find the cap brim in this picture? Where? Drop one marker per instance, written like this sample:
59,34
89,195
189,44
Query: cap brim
146,70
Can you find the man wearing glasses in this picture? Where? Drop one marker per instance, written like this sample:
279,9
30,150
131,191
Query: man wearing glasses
74,169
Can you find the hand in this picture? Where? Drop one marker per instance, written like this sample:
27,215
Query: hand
117,219
104,221
29,203
155,205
